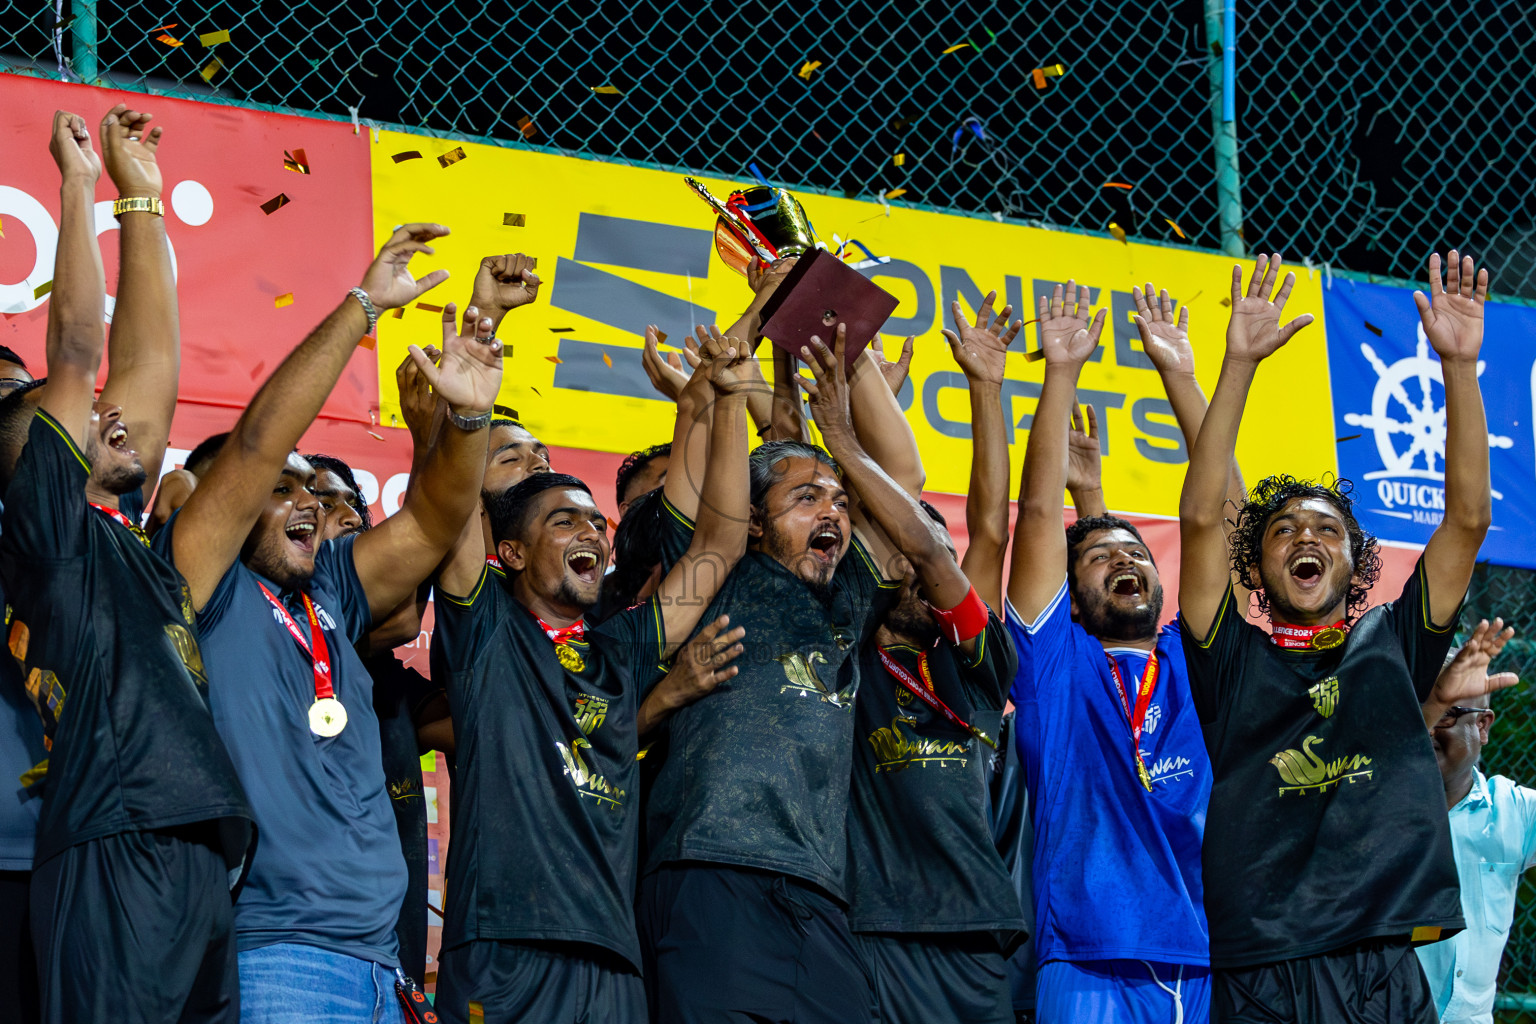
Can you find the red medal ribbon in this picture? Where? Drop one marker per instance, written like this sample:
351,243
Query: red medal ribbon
319,655
563,634
133,527
1137,716
1301,637
923,690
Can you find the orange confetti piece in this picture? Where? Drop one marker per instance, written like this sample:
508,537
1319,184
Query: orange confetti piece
1039,77
893,193
295,161
807,69
957,46
1176,229
525,125
1118,232
162,28
607,361
167,40
607,90
429,307
285,299
555,359
1116,184
368,342
1041,74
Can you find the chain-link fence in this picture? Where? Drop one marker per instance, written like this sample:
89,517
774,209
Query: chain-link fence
1366,131
1511,751
1363,132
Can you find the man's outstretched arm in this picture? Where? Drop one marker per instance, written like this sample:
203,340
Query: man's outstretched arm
1068,338
144,347
1452,315
981,350
217,517
77,305
395,556
1253,334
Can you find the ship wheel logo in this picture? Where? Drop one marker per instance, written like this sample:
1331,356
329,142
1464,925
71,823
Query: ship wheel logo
1407,415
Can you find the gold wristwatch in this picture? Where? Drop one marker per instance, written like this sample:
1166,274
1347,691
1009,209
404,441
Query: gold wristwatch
138,204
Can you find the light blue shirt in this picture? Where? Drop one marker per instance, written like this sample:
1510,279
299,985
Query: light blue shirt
1493,831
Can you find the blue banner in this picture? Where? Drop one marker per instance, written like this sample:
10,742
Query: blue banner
1389,417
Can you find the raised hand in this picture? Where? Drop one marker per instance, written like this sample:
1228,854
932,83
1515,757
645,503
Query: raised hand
1083,453
417,403
71,148
1254,332
828,393
895,373
388,279
981,348
1466,677
468,376
128,146
1066,333
1452,314
765,280
666,371
1165,338
504,283
725,361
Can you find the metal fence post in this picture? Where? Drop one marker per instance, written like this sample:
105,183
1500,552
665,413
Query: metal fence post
1221,35
83,37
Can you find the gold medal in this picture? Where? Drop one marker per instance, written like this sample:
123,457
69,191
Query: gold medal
327,717
1328,639
570,660
1141,773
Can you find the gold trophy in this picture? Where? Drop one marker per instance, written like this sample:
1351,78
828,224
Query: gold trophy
761,225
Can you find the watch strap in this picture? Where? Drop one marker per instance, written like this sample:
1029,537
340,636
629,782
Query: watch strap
138,204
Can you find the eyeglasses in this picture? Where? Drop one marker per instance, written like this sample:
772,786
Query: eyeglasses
1453,715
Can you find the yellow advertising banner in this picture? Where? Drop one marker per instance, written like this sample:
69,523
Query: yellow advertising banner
620,247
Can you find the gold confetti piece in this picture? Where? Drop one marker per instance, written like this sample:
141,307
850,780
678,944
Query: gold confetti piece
214,38
285,299
476,1010
1372,328
376,437
505,410
661,337
899,159
607,361
1116,184
534,390
1035,356
399,312
210,69
1226,300
957,46
1118,232
167,40
452,157
429,307
514,220
276,203
1351,437
893,193
409,154
295,161
525,125
1176,229
555,359
808,68
42,289
561,330
1041,74
607,90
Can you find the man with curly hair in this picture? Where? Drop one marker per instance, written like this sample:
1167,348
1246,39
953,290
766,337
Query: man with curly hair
1326,857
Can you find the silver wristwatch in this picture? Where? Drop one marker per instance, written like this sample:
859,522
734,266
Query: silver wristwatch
471,423
367,304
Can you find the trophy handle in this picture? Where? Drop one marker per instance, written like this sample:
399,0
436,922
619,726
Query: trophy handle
733,219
